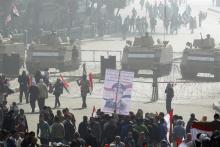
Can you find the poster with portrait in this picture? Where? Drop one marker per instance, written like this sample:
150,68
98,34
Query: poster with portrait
117,91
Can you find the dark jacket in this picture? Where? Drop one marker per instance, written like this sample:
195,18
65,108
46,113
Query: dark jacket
9,122
178,132
34,92
84,86
23,81
169,92
91,140
189,124
154,132
109,131
83,130
58,88
69,130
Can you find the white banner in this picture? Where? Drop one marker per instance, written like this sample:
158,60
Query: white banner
117,91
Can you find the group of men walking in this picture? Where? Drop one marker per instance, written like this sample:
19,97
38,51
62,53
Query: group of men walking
33,90
37,90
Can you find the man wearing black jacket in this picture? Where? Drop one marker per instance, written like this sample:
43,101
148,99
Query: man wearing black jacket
169,96
23,80
69,129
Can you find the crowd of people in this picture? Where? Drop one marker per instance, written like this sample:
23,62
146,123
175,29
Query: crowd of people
135,130
173,15
60,129
169,13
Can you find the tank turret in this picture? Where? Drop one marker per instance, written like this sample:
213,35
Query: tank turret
146,41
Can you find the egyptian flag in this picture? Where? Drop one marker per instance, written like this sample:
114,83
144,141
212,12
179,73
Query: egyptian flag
91,82
65,84
169,120
93,110
8,19
204,127
15,10
30,80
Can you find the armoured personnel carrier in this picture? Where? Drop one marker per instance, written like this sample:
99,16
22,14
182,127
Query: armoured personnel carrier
200,57
51,52
144,55
12,55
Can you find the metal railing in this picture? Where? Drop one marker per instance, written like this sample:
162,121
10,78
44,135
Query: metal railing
96,54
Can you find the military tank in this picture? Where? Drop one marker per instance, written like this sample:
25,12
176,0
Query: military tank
200,57
143,54
12,55
50,51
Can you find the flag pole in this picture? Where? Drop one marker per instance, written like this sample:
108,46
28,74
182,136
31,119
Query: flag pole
116,98
165,17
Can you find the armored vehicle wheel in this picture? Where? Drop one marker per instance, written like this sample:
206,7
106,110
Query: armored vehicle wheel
217,75
124,67
61,67
31,70
135,72
76,66
188,74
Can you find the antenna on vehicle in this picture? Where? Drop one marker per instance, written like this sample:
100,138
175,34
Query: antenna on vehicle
164,21
201,35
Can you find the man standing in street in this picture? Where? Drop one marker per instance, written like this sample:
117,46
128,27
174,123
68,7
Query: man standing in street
58,90
43,94
179,133
44,129
57,131
34,92
69,129
169,96
84,86
23,80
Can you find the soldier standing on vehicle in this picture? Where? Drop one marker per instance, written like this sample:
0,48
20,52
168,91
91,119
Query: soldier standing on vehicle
23,80
200,18
210,41
192,24
153,23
